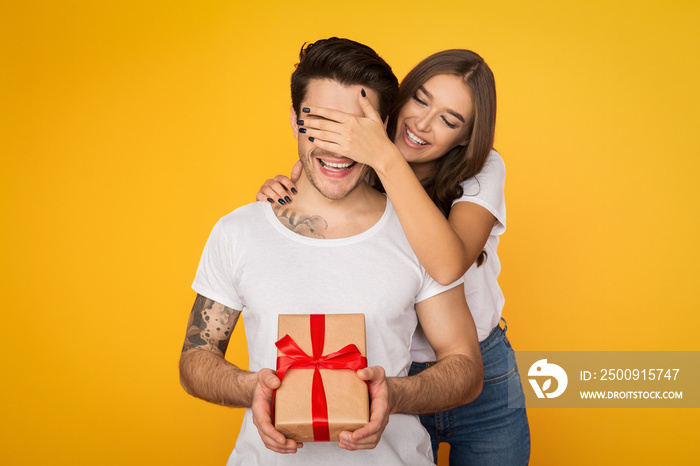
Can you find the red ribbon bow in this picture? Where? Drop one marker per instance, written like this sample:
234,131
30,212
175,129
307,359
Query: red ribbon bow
294,357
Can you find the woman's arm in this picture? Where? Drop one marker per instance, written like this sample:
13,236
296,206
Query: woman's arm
473,225
434,240
446,248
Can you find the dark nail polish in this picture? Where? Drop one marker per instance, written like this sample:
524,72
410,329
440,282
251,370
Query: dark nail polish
311,139
281,202
306,110
269,199
294,190
287,198
300,122
364,94
302,130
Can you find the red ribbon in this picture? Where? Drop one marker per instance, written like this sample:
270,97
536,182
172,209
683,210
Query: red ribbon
294,357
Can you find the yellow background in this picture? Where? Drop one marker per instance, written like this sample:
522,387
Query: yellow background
128,128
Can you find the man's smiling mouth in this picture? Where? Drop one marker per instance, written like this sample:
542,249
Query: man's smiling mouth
336,167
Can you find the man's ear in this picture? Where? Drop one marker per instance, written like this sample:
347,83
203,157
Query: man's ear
293,120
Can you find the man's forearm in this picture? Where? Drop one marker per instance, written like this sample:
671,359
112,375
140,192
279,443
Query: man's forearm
453,381
210,377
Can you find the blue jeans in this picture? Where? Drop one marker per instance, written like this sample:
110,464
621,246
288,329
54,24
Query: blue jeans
493,429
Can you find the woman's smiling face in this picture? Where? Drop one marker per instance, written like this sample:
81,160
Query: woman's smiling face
437,118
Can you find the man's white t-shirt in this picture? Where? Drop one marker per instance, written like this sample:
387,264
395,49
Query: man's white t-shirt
253,263
484,295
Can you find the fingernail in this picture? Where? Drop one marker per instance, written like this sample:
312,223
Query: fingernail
269,199
281,202
302,130
306,110
300,122
311,139
364,94
287,198
294,190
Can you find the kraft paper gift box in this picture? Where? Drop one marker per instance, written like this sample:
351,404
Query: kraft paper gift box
300,398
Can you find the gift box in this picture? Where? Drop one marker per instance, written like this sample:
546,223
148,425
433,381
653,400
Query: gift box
317,358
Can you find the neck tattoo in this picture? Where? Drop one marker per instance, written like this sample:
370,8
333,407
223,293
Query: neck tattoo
312,226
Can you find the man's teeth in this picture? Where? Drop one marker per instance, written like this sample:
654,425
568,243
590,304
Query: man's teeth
415,139
336,166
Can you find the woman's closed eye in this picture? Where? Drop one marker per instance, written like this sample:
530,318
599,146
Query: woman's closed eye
418,99
449,125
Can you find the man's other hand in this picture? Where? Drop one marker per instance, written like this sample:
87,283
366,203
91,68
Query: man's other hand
262,414
368,436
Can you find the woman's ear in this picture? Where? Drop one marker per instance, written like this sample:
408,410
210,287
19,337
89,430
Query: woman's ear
293,120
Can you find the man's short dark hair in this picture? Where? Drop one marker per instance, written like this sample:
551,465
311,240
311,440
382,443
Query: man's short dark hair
347,62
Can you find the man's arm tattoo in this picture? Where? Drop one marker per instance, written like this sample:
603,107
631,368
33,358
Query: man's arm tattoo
210,325
313,226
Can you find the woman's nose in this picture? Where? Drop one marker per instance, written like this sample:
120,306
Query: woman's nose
423,123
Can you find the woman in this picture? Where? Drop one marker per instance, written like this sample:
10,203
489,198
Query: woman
446,183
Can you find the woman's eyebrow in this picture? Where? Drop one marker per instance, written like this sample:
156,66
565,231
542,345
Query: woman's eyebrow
449,110
425,91
456,115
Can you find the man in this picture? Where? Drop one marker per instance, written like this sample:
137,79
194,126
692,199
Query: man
339,250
